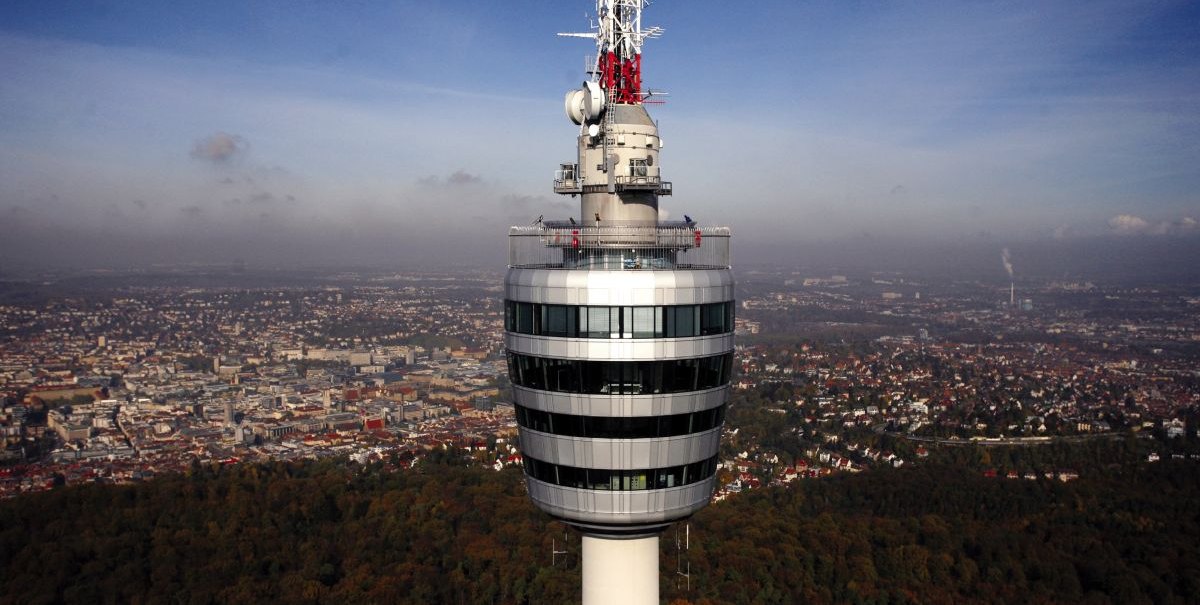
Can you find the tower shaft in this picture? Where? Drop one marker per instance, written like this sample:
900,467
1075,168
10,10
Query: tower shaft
620,572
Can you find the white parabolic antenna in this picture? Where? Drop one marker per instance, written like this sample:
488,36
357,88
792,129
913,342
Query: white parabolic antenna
593,100
574,105
585,104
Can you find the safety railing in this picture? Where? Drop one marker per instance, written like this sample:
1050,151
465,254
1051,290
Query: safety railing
618,247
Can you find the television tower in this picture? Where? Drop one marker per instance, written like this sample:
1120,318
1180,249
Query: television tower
619,333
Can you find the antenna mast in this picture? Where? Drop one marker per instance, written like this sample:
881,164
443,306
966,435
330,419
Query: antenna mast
619,37
687,546
554,551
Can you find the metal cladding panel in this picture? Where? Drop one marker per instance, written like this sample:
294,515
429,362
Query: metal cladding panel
623,454
620,405
620,507
632,116
619,288
603,349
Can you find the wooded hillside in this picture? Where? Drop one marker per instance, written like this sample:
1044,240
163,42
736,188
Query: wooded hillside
334,532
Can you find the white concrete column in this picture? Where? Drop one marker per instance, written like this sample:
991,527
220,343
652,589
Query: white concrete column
620,572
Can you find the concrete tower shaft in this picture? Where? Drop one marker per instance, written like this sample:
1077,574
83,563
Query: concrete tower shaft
620,169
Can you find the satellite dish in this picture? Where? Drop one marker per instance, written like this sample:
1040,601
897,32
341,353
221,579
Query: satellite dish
593,100
574,105
593,130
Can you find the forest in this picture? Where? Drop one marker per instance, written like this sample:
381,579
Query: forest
332,531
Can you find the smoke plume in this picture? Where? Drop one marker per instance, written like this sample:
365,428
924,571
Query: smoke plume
218,148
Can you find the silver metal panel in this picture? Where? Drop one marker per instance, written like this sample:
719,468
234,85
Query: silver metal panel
620,405
618,288
604,349
624,454
609,507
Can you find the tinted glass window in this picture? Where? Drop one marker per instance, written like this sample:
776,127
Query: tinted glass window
712,319
525,318
620,377
603,427
680,321
558,320
624,480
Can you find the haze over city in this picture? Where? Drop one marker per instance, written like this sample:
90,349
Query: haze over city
406,133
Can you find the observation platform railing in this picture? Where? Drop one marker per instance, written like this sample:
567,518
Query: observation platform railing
567,180
663,247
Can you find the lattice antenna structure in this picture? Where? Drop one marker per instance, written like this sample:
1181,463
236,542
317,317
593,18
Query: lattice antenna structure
555,552
619,37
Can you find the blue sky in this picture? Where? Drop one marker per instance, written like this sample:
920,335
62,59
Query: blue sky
357,131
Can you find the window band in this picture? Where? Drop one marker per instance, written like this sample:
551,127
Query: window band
620,480
567,321
620,377
620,427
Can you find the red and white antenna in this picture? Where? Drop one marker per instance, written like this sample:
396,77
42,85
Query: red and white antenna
619,37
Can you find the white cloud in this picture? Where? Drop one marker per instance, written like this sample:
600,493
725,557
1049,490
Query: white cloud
1181,226
1128,224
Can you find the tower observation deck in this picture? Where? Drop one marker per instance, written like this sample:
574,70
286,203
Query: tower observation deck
619,333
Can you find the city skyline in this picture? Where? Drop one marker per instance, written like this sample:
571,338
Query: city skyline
321,135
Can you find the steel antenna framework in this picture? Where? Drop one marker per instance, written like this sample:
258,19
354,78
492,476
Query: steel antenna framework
619,38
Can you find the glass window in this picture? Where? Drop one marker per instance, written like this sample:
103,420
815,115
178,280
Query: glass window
561,376
598,325
682,322
558,320
525,318
572,477
709,373
643,322
568,321
609,480
607,427
629,378
593,380
532,373
637,480
620,377
712,320
650,376
599,478
682,376
637,168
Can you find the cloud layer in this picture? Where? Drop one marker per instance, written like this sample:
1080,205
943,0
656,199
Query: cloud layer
1128,224
308,142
